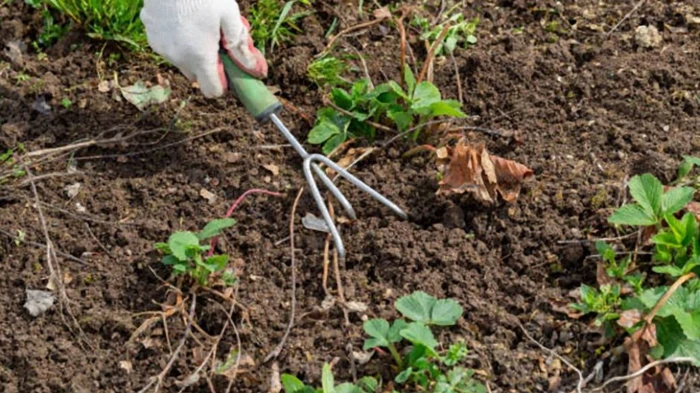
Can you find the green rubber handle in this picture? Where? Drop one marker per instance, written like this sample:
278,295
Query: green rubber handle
255,96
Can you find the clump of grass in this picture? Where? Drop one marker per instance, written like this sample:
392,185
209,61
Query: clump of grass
272,22
327,71
109,20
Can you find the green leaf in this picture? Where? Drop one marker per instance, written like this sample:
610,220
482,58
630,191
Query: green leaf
368,384
170,260
684,169
632,214
425,95
647,191
215,227
457,352
347,388
676,199
674,342
323,131
327,382
607,253
394,334
403,120
409,78
180,242
447,108
397,89
333,142
180,268
671,270
163,247
416,306
419,334
692,160
378,330
291,384
445,312
341,98
216,263
403,375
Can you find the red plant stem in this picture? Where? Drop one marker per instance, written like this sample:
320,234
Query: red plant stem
214,240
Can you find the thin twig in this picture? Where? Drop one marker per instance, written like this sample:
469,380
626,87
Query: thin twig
579,386
604,239
431,53
279,347
167,145
667,295
360,26
410,130
89,143
158,379
460,94
35,244
636,7
55,269
98,241
644,369
402,33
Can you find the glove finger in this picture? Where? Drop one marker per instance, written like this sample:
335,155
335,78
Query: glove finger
239,44
210,75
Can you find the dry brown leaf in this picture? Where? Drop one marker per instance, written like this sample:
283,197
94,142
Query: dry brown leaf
350,156
274,169
382,13
473,169
629,318
656,380
694,207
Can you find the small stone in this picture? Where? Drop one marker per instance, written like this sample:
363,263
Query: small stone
208,195
38,302
647,36
72,190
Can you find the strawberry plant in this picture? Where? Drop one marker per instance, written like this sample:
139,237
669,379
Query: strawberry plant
674,310
184,254
426,367
387,104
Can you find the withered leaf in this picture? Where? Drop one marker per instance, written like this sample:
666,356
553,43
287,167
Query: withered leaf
473,169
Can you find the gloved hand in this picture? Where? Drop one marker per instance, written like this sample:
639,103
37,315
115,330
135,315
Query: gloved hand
189,33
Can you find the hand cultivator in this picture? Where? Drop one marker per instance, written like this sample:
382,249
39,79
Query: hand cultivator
264,106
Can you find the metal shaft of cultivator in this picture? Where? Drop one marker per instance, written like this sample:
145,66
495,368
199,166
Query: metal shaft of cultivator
264,106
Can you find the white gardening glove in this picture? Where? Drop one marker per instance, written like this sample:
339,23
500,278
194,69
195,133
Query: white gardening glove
189,33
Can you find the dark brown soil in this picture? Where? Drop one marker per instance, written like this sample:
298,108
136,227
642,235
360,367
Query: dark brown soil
591,111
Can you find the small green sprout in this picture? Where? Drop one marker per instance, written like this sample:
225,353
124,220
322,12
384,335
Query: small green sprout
66,103
272,24
183,252
327,71
460,33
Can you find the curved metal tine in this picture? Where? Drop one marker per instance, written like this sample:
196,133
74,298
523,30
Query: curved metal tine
335,191
324,210
359,183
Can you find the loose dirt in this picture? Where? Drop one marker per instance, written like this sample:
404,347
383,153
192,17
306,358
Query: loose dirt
590,110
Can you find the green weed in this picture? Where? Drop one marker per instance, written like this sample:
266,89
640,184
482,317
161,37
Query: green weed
272,22
109,20
184,254
387,103
461,32
327,71
66,103
676,256
425,368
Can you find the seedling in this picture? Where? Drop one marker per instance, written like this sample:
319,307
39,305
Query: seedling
272,24
387,103
425,368
676,242
66,102
327,71
460,33
184,254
